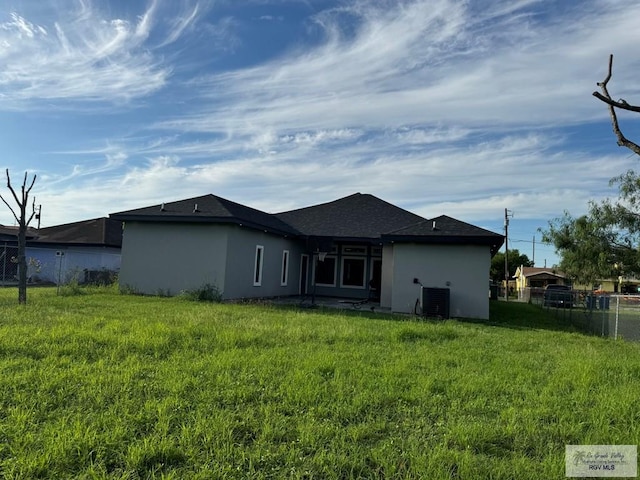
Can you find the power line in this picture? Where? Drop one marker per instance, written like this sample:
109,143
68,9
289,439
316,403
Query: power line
530,241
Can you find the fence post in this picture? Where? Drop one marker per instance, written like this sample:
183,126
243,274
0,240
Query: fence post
615,335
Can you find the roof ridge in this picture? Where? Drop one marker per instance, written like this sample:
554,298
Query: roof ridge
425,220
323,204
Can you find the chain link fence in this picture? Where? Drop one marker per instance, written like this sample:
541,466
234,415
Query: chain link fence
60,266
8,264
607,315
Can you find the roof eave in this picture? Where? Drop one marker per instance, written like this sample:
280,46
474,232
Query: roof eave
48,243
493,241
200,220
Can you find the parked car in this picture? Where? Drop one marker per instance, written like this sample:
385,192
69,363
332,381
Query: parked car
558,296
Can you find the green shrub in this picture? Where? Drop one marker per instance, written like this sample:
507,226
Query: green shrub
126,289
71,288
206,293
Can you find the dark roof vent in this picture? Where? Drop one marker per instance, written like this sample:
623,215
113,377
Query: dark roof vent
162,208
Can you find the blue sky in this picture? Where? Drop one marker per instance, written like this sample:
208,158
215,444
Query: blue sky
439,106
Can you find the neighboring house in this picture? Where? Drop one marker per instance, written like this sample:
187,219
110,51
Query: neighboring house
355,247
88,250
538,277
621,284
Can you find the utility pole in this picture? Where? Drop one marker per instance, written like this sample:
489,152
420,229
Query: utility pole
507,214
533,259
38,215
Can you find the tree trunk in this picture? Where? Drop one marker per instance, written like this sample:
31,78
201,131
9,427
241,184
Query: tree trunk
22,201
22,264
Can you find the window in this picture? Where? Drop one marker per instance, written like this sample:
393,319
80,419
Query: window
325,272
284,276
353,272
257,273
354,250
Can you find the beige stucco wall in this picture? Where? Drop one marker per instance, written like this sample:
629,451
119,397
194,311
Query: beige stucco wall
167,258
386,289
464,269
240,266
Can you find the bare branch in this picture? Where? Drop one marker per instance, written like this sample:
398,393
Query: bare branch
608,77
33,209
622,140
621,104
31,186
13,192
12,211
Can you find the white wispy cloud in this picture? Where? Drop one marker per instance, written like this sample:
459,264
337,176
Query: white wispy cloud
180,24
441,106
81,54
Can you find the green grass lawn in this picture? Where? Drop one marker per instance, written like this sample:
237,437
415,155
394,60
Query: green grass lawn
114,386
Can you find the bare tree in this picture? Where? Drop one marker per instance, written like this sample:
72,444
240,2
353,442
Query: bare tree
613,104
22,201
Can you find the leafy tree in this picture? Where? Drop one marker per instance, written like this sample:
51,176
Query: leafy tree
604,242
515,260
23,220
584,247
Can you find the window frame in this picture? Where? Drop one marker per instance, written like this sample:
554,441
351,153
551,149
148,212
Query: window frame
363,260
258,265
284,273
354,250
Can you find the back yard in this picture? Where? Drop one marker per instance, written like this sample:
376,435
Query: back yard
104,385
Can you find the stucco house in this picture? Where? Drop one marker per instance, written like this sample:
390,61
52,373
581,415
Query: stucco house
537,277
622,284
355,247
85,251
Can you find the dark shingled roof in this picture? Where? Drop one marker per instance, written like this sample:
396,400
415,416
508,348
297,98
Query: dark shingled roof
210,209
445,229
356,216
97,231
10,234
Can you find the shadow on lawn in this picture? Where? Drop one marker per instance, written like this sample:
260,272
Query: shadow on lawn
364,312
515,315
526,316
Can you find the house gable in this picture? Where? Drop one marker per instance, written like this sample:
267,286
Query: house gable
208,209
358,216
537,271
